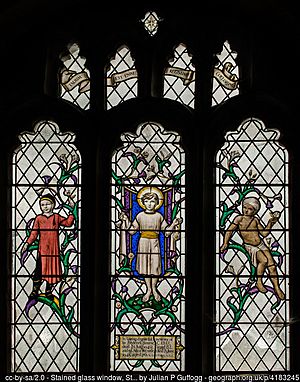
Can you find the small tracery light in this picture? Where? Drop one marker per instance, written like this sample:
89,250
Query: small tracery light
151,22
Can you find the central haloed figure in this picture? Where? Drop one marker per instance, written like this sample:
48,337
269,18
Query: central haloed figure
149,223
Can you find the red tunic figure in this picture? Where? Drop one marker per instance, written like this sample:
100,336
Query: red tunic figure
46,227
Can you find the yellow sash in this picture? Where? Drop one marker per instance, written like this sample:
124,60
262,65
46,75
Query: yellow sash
149,235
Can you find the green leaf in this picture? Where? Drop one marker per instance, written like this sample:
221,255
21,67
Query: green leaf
71,315
138,363
62,300
173,270
232,307
119,203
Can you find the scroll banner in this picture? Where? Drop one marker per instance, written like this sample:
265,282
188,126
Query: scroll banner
71,80
186,75
225,77
115,79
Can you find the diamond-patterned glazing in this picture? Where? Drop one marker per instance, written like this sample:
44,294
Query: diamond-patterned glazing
121,78
74,78
225,76
45,300
179,78
252,267
148,252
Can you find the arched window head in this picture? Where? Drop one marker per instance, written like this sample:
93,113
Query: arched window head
150,22
121,78
252,263
45,261
148,252
179,77
74,78
225,76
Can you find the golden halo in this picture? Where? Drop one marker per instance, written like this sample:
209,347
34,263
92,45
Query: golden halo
147,189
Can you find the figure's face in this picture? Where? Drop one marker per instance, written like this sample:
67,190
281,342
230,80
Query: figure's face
46,206
150,204
248,209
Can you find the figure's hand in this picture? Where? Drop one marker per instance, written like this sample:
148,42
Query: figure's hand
274,217
178,221
273,220
70,197
223,248
123,216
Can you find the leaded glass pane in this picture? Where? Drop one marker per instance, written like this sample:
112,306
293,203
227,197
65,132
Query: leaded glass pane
148,252
74,78
252,264
151,22
121,78
45,252
179,78
225,76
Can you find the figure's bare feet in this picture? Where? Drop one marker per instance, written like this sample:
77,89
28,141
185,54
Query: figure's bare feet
156,296
280,294
261,287
146,297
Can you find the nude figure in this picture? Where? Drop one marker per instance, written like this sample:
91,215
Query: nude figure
252,231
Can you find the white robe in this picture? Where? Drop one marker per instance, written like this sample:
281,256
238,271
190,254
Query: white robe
148,260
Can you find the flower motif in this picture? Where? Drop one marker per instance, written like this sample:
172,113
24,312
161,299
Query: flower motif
74,269
150,171
234,154
63,159
230,269
74,158
46,179
252,175
275,244
165,156
69,193
269,204
169,328
231,156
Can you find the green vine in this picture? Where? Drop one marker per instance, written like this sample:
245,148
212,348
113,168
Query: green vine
242,291
57,303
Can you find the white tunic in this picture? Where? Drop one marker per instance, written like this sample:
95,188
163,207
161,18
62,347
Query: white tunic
148,254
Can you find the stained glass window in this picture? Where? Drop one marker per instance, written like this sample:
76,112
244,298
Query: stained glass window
179,77
252,267
74,78
150,22
121,78
45,252
148,252
225,75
